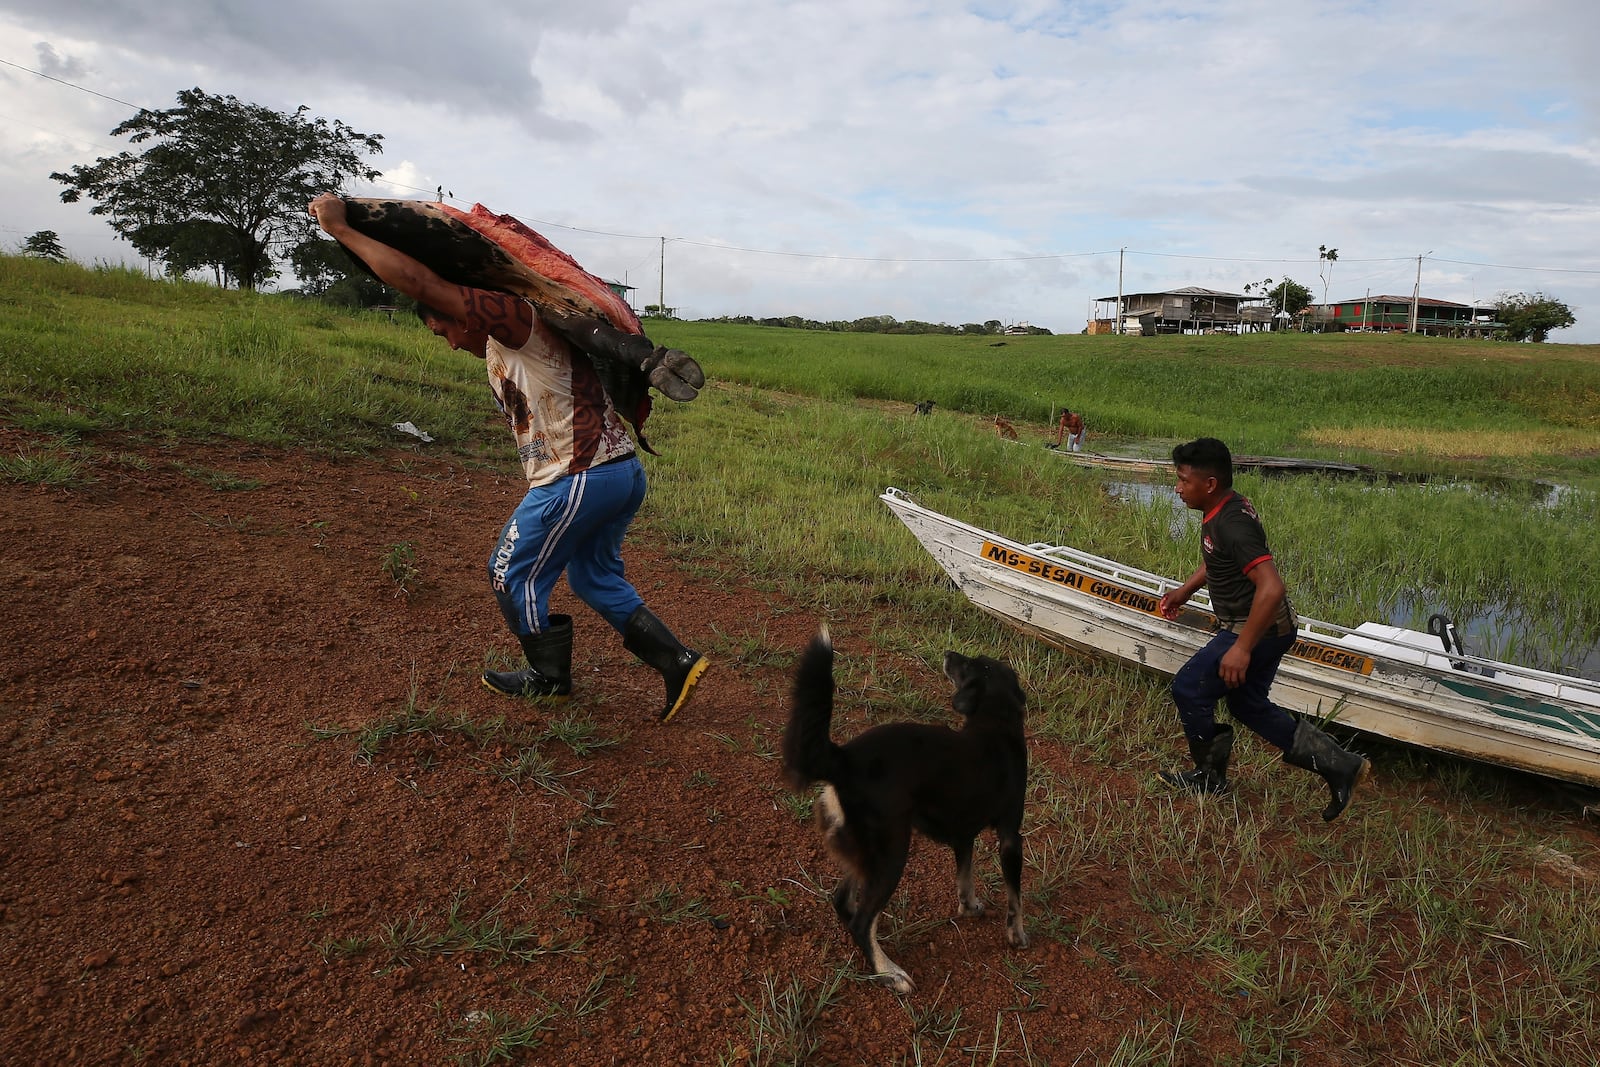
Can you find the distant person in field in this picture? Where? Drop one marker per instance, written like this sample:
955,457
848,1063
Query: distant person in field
1258,629
585,482
1072,423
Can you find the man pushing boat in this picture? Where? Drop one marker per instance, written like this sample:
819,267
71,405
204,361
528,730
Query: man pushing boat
1258,629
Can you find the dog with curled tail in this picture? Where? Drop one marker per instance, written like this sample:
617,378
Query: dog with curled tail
950,785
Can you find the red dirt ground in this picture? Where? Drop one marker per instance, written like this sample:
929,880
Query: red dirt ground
194,876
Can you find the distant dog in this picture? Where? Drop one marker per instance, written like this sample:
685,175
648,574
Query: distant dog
924,407
951,785
1004,428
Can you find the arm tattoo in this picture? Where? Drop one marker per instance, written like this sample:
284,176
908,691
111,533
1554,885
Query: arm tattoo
507,319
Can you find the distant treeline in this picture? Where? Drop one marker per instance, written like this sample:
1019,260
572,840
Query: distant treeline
882,324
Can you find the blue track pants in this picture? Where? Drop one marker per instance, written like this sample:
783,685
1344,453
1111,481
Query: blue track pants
574,525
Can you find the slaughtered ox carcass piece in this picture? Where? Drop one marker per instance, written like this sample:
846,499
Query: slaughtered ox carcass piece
481,249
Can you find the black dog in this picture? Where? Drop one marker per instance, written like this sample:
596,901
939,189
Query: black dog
924,407
949,784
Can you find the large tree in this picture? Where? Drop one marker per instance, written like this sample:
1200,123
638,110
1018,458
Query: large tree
1531,316
223,185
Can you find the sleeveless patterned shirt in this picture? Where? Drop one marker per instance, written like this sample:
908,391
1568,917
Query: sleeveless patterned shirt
554,403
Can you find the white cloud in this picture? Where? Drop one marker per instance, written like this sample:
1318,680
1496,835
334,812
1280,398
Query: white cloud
1219,142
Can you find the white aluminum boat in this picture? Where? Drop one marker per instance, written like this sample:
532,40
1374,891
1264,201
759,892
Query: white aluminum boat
1386,680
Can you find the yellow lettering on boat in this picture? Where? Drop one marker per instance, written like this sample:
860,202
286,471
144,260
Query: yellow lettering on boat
1060,575
1111,592
1338,658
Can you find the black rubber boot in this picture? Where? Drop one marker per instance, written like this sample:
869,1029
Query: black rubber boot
1315,751
648,638
1210,774
549,672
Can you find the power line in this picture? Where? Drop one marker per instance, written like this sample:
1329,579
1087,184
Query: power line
71,85
1237,259
530,220
887,259
1507,266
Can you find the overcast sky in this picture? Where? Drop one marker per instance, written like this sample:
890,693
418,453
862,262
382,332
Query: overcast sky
935,160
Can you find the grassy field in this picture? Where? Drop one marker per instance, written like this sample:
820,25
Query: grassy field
1413,400
1423,911
817,424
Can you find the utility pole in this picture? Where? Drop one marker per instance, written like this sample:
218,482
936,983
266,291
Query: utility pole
661,304
1416,291
1120,253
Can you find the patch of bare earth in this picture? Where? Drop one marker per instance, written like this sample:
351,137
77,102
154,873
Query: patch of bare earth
200,868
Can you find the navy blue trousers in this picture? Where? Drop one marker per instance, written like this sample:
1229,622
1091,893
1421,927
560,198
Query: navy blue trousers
1197,687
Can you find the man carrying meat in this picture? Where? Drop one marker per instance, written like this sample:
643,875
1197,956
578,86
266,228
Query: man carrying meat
585,482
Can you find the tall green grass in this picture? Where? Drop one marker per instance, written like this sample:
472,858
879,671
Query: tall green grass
1503,557
96,349
787,488
1263,393
84,351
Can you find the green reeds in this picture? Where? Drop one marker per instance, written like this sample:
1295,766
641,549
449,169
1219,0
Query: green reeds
89,351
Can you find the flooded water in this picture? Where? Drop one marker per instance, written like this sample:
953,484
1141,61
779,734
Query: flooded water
1183,520
1499,631
1533,494
1493,631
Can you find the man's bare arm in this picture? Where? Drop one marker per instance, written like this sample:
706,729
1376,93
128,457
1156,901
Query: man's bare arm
506,318
391,265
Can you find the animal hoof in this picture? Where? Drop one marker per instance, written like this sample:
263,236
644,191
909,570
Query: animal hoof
897,980
675,373
1016,938
973,908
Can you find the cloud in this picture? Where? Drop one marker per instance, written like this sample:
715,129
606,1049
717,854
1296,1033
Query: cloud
1219,143
471,57
1455,177
57,66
